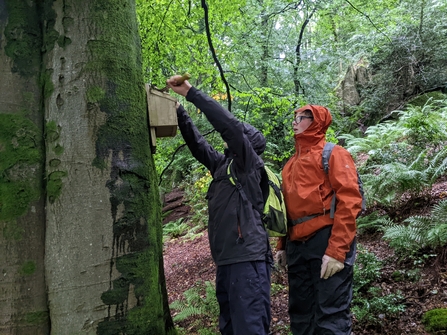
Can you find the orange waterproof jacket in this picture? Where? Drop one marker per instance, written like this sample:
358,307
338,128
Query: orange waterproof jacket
308,189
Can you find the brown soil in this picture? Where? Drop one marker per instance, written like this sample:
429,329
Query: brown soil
188,261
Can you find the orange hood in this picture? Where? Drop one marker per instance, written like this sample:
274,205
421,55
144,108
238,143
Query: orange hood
317,130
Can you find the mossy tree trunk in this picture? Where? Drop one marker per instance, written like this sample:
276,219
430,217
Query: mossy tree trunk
103,262
23,302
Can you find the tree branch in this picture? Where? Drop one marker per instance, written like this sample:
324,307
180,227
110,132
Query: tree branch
175,153
377,28
213,52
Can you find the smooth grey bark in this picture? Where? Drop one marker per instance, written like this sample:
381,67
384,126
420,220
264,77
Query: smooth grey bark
79,234
95,240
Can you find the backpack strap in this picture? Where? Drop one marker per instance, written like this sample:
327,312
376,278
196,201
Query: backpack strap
327,151
234,180
303,219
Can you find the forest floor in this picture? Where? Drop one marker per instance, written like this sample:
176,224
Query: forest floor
188,264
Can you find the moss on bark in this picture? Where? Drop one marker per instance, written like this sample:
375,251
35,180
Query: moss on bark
119,91
21,156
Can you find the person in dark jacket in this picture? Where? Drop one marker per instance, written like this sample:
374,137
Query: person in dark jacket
238,240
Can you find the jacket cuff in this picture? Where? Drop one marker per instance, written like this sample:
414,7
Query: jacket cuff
180,111
191,94
340,258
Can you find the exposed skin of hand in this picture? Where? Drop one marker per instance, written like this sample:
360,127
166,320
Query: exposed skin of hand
330,266
181,89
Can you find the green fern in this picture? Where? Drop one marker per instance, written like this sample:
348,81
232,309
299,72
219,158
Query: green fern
175,228
372,222
419,232
377,137
200,300
405,156
438,165
391,181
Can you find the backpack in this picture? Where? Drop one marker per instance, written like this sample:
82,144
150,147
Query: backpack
274,215
327,151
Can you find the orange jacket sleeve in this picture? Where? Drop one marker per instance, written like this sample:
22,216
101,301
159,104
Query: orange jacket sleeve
344,181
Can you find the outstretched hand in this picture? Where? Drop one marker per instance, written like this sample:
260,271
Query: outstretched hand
179,87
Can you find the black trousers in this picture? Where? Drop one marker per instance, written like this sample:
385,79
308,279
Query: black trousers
243,293
318,306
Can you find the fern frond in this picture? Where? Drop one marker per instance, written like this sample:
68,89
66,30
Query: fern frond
199,300
373,221
188,311
438,165
417,232
404,239
439,212
437,236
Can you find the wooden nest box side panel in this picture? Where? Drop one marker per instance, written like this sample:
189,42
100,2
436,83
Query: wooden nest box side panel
162,113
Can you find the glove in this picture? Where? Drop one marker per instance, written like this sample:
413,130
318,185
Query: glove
281,259
330,266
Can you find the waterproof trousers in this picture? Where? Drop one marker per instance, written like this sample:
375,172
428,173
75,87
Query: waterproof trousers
318,306
243,293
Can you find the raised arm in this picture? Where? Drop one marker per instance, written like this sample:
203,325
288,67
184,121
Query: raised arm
231,129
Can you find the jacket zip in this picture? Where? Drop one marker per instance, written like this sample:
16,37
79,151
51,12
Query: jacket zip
240,238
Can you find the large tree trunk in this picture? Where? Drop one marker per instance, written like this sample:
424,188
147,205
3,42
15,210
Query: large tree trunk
23,303
103,246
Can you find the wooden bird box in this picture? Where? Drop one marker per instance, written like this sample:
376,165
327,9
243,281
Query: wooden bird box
162,114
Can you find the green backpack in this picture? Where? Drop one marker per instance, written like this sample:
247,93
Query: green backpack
274,215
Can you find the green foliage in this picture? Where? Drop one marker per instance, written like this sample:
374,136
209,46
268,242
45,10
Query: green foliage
273,116
419,232
435,320
405,156
175,228
276,288
371,222
178,228
366,270
370,305
412,275
393,180
410,58
375,307
200,300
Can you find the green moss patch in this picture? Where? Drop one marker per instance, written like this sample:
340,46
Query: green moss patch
95,94
54,185
23,37
22,157
11,231
435,320
28,268
36,318
421,100
119,293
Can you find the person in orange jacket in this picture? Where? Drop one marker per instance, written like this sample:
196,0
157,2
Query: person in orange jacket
319,250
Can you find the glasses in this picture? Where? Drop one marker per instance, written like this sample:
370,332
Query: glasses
300,118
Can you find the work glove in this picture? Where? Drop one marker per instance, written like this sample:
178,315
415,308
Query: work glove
330,266
281,259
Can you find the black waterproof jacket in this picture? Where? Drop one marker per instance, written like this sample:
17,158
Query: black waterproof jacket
235,230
